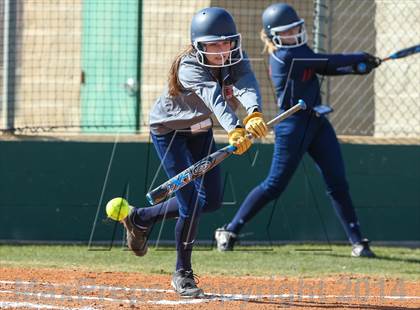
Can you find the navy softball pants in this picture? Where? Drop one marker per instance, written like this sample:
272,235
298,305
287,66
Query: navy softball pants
301,133
178,151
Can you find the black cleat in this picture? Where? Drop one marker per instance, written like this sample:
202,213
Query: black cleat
136,237
225,239
184,284
362,249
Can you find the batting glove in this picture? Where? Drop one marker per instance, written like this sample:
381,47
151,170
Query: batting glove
254,123
372,61
238,138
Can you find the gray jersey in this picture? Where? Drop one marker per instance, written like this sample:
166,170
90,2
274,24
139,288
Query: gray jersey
202,95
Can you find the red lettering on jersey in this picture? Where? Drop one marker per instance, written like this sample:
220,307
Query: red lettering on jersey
307,74
228,91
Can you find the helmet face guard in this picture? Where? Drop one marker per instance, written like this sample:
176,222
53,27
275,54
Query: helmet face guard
299,39
215,24
235,53
280,17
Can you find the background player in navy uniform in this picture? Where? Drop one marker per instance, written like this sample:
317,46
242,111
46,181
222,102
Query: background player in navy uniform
203,80
285,38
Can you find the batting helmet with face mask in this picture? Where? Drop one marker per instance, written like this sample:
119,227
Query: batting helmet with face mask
215,24
280,17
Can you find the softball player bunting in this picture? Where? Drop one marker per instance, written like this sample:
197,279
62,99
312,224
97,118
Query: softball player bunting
210,77
293,68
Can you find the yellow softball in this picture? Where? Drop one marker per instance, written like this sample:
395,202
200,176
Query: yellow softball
117,208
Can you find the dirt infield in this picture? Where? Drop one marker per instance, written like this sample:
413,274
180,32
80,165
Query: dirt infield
75,289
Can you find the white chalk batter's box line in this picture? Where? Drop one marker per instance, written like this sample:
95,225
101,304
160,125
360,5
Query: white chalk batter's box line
209,297
30,305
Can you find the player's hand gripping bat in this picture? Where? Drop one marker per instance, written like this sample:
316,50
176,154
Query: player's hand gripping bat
363,66
163,191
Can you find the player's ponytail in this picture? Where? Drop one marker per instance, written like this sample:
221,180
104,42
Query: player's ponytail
269,46
174,86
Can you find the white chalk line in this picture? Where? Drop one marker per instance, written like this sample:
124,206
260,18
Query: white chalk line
91,298
14,305
209,297
89,287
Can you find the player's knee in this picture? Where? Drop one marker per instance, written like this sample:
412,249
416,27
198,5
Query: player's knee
273,187
337,189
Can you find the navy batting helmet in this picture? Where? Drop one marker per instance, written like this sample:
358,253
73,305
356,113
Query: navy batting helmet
280,17
215,24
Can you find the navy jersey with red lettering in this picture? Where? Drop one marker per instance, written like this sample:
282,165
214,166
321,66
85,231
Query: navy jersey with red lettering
294,73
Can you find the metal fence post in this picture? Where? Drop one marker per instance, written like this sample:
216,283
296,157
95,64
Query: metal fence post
4,103
320,39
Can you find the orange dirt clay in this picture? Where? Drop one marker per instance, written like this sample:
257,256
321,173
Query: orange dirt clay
75,289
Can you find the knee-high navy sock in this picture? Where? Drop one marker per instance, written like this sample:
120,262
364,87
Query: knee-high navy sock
146,217
252,204
344,208
185,233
